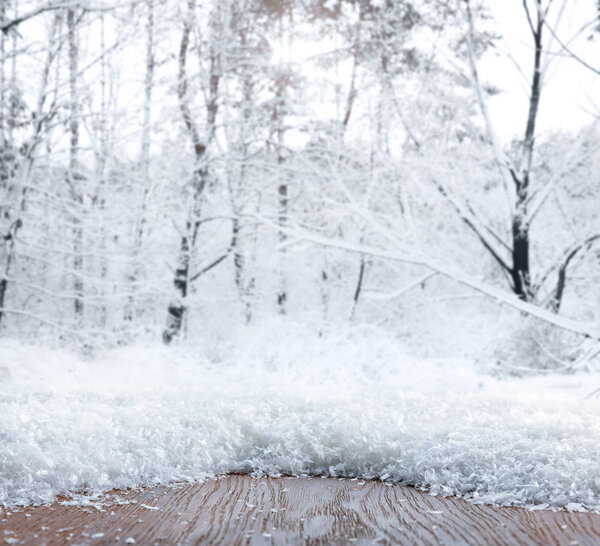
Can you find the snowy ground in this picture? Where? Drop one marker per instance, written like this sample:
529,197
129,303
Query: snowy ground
280,402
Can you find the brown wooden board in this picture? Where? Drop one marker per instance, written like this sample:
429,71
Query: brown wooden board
243,510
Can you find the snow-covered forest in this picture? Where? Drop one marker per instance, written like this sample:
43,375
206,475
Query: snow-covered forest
397,197
168,166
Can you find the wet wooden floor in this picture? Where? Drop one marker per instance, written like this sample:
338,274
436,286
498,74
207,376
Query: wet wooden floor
243,510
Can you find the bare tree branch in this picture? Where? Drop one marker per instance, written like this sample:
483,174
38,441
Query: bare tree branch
582,328
570,52
502,160
6,26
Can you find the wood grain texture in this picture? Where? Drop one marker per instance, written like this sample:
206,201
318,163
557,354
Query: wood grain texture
244,510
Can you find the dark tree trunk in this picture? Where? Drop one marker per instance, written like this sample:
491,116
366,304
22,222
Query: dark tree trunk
359,285
520,273
176,312
178,309
282,189
283,211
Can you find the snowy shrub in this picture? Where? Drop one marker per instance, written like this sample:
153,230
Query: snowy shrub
530,346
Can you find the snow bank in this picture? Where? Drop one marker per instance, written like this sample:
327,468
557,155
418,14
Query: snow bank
278,400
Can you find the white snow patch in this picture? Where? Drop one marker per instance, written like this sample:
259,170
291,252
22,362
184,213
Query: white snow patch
277,402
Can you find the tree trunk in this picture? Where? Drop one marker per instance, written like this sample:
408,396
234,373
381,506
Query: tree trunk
520,273
178,308
74,176
145,164
282,190
3,109
17,170
244,280
5,263
359,285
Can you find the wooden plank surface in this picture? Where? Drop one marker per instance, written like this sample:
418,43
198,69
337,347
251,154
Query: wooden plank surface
244,510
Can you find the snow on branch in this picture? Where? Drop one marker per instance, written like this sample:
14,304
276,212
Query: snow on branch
581,328
7,25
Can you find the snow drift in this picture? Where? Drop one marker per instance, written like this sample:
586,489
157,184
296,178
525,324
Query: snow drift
273,402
